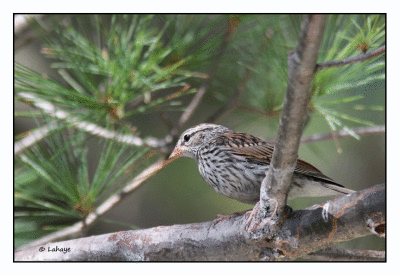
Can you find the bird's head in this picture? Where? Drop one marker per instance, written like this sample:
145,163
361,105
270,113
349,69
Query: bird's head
196,137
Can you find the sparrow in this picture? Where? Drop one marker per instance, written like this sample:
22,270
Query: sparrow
235,164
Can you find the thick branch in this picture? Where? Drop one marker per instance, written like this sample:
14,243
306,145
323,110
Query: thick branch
301,71
345,218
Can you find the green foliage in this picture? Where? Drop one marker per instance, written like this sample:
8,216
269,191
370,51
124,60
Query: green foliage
116,68
122,60
335,88
53,186
112,68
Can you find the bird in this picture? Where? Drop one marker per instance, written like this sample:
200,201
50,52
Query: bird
235,164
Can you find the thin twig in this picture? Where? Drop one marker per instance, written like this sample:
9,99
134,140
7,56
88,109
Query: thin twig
255,110
89,127
77,230
203,88
33,137
21,22
362,131
142,99
232,102
347,255
22,33
351,60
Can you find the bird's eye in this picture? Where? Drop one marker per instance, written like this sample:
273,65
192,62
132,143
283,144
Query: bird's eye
186,138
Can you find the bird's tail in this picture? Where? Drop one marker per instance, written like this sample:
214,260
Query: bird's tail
338,189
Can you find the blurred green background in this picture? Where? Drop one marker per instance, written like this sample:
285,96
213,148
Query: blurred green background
103,55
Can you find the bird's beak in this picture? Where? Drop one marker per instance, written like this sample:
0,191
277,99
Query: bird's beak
178,152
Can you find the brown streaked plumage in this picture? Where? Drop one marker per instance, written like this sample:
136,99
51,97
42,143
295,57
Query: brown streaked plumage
235,163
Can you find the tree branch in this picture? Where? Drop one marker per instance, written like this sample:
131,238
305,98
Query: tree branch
362,131
203,88
346,255
33,137
89,127
232,102
275,186
23,34
352,60
304,231
78,229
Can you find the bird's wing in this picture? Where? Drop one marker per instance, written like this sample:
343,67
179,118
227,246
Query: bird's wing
260,151
247,145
